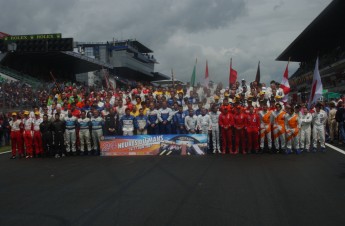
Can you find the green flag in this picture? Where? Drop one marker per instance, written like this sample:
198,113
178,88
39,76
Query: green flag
192,80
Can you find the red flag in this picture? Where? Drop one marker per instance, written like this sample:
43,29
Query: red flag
233,74
206,81
3,35
285,82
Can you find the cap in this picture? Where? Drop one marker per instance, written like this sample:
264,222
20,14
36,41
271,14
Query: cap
26,113
262,93
14,114
226,94
37,113
278,97
216,97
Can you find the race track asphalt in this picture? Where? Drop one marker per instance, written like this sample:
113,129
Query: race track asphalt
307,189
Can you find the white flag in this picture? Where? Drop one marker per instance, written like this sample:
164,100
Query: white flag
316,88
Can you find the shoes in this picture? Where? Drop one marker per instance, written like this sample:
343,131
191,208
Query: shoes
13,157
298,151
306,150
323,149
214,151
63,155
288,151
27,157
219,151
57,156
314,150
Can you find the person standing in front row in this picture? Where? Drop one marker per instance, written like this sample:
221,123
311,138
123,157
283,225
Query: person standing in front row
16,125
319,123
59,128
128,123
47,137
97,123
84,124
141,121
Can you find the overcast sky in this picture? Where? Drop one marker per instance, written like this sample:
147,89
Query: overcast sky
178,31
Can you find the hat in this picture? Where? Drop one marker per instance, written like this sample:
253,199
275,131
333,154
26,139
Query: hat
37,113
26,113
226,94
278,97
14,114
216,97
262,93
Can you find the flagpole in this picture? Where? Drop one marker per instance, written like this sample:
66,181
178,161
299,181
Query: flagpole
172,78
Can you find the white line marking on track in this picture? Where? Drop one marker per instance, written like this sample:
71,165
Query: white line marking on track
5,152
335,148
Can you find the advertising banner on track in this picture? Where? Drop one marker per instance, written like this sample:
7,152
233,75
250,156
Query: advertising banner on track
177,144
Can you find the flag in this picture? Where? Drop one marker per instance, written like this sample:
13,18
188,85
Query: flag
233,74
257,78
192,80
3,35
206,81
316,87
285,82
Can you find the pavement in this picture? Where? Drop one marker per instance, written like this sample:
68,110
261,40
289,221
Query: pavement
306,189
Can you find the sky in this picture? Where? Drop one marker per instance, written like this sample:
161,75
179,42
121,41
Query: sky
178,31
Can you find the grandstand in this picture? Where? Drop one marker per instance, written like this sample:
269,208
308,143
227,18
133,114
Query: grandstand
323,38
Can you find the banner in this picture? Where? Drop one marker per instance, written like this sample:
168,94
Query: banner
176,144
32,37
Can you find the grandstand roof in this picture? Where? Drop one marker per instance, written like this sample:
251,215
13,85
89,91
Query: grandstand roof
65,62
327,31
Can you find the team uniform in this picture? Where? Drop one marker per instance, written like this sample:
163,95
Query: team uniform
141,124
164,117
319,122
37,139
152,121
253,126
84,125
16,137
28,136
128,124
292,125
305,131
70,134
215,130
266,119
97,132
239,125
279,129
226,122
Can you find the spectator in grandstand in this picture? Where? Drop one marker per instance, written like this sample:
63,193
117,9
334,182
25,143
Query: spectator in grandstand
1,130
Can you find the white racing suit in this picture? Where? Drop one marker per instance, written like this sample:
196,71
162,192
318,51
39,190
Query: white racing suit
305,132
204,125
70,134
190,123
215,130
319,122
97,132
84,133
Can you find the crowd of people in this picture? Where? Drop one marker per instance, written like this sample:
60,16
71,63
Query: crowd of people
243,118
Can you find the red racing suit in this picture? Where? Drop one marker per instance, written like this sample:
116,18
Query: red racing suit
239,125
253,127
226,122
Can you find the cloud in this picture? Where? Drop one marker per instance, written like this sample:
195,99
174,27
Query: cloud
178,31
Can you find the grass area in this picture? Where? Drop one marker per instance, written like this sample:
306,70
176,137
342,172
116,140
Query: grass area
5,148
